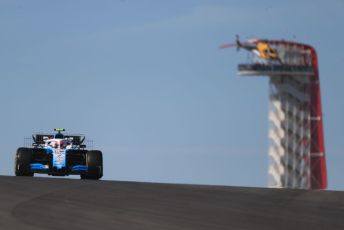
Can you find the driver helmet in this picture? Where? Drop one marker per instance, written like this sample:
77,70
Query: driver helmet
59,136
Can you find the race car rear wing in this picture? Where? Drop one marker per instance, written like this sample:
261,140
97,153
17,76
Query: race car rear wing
39,139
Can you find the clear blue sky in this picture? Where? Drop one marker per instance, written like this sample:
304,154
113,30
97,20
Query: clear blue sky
146,81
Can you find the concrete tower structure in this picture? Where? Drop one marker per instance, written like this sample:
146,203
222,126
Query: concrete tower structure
296,151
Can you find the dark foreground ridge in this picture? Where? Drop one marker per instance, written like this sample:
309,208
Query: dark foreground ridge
44,203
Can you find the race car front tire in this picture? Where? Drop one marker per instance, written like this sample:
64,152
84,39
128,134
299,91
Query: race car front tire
94,163
22,162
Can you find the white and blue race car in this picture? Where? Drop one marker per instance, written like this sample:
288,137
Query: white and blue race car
59,155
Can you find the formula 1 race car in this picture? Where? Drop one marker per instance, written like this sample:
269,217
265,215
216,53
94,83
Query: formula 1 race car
59,155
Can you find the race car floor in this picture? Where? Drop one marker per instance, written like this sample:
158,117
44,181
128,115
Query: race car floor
53,203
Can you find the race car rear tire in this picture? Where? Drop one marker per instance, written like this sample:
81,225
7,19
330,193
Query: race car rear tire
94,163
22,162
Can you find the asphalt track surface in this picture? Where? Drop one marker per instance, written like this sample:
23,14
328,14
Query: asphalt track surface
53,203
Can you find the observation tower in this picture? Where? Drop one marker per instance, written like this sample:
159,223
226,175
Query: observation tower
296,136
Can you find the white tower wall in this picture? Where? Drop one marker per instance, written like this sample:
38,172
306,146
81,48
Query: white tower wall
289,134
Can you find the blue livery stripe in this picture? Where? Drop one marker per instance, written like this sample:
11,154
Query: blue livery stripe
79,168
39,166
